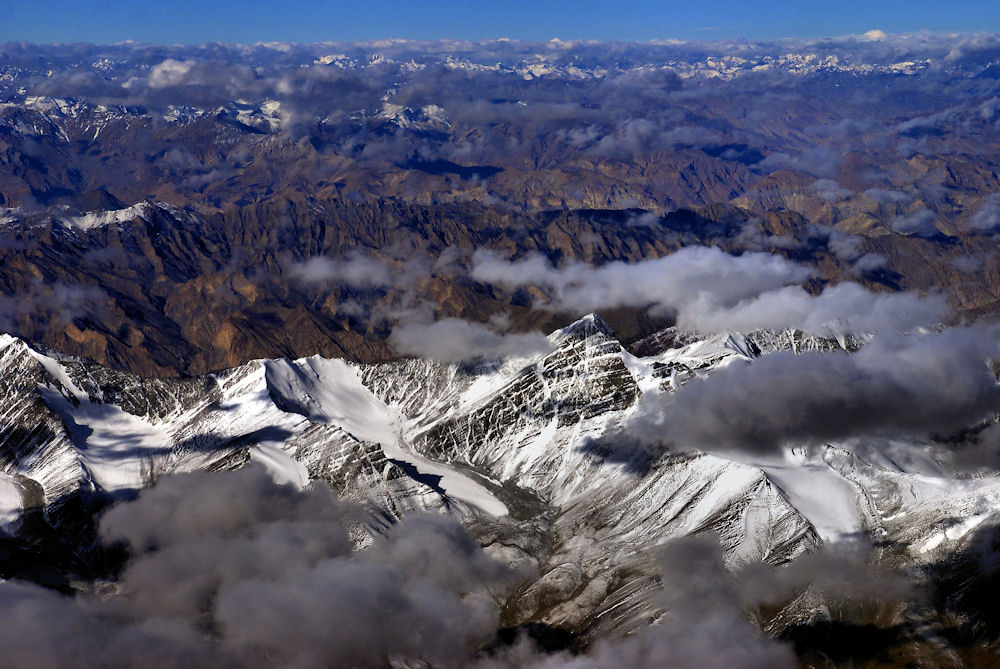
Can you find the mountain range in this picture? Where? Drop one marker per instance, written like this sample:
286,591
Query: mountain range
528,452
501,354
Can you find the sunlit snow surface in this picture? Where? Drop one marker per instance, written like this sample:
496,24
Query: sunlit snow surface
99,219
113,445
10,502
331,391
538,429
825,498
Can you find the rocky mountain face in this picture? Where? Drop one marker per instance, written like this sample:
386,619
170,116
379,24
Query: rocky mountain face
156,201
526,451
159,290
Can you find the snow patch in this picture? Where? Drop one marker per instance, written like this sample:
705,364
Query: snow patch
961,529
10,502
933,542
330,391
826,499
114,446
282,467
953,533
56,371
642,372
97,219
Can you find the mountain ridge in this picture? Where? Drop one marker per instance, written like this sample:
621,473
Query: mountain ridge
546,478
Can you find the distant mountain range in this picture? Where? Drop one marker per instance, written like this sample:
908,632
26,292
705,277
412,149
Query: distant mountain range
156,289
820,127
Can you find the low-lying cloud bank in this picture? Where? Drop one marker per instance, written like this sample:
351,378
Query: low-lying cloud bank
231,570
415,328
709,290
234,570
666,284
457,340
358,270
705,289
916,385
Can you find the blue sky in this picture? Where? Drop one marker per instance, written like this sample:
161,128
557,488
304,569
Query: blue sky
196,21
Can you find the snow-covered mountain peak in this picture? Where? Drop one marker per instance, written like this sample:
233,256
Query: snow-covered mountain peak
590,325
68,219
427,117
535,457
97,219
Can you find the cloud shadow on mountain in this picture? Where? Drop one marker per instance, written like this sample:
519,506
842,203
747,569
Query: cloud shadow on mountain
632,455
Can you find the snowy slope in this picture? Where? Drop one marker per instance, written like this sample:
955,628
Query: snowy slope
10,502
330,391
529,452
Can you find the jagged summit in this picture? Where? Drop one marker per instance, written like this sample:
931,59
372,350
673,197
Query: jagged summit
97,219
86,218
587,326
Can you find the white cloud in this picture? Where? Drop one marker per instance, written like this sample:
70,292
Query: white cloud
710,290
666,283
457,340
169,73
358,271
987,217
919,223
844,307
917,385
